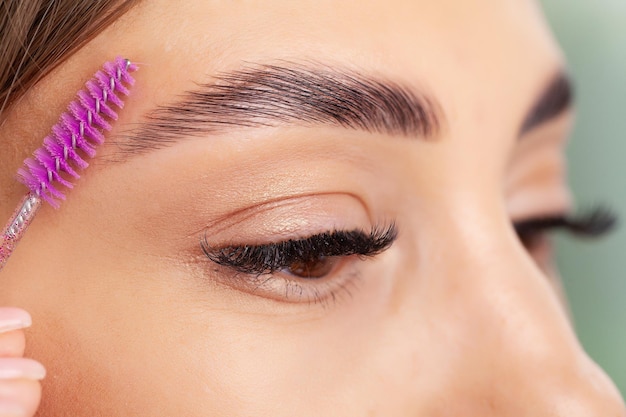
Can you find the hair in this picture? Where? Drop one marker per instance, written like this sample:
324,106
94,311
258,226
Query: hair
36,36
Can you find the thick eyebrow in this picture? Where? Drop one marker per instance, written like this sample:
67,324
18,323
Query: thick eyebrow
291,94
554,100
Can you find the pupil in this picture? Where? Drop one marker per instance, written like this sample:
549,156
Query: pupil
312,268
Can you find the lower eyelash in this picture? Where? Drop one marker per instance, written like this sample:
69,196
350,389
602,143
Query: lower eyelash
281,287
324,293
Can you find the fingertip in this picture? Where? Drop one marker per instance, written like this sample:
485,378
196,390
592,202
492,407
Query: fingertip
21,368
13,318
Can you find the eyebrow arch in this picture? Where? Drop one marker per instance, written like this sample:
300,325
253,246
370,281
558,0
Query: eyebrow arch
554,100
289,94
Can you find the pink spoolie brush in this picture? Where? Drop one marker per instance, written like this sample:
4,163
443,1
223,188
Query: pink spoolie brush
72,140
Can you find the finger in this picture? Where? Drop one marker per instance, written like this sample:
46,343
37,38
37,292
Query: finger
21,368
12,344
20,390
19,397
12,318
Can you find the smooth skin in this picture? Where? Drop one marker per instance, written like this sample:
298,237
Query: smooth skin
457,318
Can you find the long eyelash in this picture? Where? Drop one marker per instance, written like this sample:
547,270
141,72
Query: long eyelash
272,257
594,223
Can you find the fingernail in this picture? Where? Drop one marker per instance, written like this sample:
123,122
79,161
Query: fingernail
8,409
12,318
21,368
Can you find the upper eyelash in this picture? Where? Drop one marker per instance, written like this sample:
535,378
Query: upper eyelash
272,257
593,223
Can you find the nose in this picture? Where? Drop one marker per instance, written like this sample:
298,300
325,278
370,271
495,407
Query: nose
502,344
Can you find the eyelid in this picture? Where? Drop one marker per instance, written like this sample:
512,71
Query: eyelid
289,218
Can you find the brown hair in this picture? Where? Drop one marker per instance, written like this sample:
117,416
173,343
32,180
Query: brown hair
38,35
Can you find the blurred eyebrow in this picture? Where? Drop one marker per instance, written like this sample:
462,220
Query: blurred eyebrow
290,94
554,100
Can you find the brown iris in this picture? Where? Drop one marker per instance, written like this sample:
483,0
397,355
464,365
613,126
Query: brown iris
313,268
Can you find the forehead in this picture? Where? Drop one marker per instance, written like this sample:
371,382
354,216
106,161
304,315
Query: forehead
444,43
375,32
473,56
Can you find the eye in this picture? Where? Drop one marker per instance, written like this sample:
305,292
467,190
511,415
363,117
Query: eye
594,223
309,267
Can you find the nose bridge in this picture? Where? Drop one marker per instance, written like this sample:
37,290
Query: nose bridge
503,334
506,295
482,271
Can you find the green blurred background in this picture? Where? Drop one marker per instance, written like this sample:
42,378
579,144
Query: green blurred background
592,34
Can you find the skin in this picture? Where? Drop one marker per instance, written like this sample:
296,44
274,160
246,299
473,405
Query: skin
456,318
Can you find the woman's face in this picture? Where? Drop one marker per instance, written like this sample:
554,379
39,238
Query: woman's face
290,142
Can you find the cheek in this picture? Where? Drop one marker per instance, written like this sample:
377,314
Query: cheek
137,344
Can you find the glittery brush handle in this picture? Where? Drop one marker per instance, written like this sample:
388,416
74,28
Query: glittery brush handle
17,226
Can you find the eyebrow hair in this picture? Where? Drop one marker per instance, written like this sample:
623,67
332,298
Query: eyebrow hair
275,95
308,95
555,99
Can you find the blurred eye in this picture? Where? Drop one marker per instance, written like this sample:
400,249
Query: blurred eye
595,223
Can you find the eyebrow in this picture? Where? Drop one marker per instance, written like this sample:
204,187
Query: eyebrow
556,98
295,94
290,94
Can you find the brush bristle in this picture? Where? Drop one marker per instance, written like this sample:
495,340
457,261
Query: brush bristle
79,130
